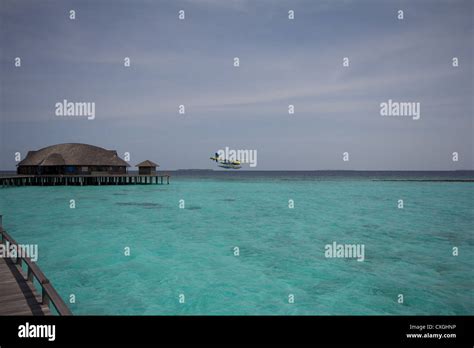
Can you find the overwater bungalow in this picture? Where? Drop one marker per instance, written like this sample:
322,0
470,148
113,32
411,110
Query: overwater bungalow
72,159
80,164
147,167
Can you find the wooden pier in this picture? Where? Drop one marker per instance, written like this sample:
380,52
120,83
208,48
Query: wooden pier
18,295
83,180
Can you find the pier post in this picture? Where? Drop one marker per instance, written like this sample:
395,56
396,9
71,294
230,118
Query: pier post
29,274
44,296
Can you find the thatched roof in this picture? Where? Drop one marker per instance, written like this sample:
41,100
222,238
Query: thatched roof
73,155
147,163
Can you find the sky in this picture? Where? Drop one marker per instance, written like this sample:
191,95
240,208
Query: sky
190,62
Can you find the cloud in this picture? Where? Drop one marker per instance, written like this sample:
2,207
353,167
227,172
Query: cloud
190,63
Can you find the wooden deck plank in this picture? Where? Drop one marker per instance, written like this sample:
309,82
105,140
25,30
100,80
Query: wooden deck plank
12,296
17,296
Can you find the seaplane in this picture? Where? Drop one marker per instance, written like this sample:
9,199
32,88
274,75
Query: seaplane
225,163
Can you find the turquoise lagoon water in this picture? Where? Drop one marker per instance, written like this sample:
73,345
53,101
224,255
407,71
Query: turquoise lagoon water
191,251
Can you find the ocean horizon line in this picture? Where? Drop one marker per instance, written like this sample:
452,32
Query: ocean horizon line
293,170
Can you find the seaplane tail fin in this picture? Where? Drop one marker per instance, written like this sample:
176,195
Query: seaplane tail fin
215,158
